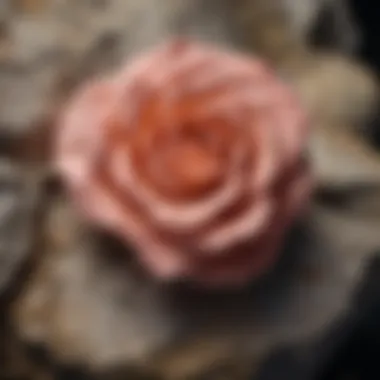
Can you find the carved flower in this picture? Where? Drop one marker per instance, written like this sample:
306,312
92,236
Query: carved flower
192,155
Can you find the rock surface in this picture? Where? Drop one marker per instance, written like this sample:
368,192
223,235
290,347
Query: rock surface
18,202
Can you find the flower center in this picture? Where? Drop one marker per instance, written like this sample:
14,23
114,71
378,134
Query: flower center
191,167
187,162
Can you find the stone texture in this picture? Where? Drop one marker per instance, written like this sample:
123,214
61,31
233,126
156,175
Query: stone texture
18,201
87,305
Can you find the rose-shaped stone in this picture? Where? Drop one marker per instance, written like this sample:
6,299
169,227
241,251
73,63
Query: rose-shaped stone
193,156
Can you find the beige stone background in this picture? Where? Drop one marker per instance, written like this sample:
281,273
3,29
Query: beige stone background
70,302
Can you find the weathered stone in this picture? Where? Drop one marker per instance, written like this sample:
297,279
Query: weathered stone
87,305
18,201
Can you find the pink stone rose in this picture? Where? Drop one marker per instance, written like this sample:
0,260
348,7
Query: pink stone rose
192,155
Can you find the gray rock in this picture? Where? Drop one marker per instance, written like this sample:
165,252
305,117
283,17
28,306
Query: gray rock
18,195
